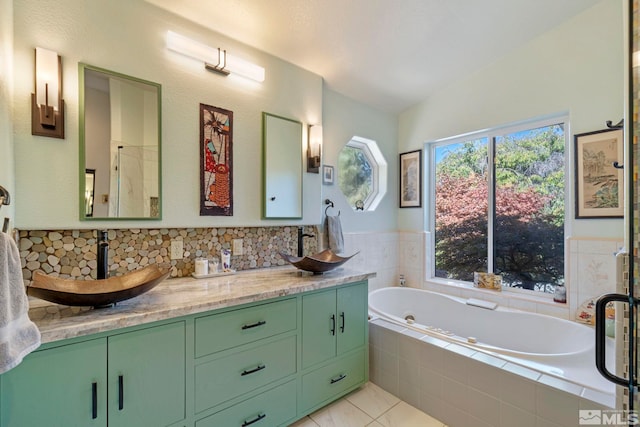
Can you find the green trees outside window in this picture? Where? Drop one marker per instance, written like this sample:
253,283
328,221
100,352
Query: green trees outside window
499,207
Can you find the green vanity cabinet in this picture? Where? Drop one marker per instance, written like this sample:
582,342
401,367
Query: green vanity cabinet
146,376
60,387
333,323
265,363
131,379
334,343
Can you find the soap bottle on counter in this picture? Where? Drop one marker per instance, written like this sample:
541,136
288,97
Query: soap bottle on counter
225,259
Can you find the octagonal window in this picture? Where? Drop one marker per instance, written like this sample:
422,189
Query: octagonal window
362,173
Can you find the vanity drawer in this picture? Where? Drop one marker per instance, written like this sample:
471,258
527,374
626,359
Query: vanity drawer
227,330
222,379
270,409
332,380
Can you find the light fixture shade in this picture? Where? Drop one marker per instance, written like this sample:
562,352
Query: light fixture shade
47,78
214,58
314,149
47,105
245,68
315,136
191,48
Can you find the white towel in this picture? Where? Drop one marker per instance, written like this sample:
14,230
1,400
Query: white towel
19,336
333,230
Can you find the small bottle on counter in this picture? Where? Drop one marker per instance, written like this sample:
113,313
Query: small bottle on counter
202,266
225,257
213,265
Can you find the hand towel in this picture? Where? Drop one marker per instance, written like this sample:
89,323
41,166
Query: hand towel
333,231
19,336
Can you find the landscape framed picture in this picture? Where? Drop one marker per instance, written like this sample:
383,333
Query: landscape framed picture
411,179
599,176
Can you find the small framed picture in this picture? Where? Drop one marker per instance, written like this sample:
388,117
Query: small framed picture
411,179
327,175
599,174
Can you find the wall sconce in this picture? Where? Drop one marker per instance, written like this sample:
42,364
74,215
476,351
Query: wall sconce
47,105
214,59
314,149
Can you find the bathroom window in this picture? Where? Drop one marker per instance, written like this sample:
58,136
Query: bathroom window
498,200
362,174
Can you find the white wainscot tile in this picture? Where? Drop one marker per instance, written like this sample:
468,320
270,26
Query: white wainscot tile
596,275
597,246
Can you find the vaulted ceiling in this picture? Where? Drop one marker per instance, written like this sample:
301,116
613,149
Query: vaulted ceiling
389,54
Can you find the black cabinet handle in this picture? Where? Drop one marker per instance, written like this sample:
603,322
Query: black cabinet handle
342,322
338,379
333,324
254,370
94,400
255,420
254,325
120,392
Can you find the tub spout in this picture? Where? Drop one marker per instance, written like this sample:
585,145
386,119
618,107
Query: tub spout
103,255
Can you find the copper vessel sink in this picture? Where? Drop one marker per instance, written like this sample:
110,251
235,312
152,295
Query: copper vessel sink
318,263
96,293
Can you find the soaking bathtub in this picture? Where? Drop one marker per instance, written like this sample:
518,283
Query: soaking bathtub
551,346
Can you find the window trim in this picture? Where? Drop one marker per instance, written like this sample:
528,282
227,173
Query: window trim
490,133
378,170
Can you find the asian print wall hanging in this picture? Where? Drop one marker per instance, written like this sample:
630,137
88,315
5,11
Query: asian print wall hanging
216,161
599,180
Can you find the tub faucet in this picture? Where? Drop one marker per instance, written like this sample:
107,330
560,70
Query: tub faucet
301,237
103,254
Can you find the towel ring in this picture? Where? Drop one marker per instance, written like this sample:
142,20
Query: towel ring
329,204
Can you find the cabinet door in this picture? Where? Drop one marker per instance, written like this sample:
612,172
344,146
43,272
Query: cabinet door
147,376
352,317
55,388
319,327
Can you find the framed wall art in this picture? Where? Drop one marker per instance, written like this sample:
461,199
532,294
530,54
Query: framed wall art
216,161
411,179
327,175
599,174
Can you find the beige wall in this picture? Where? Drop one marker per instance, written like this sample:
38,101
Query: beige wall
576,68
129,37
6,127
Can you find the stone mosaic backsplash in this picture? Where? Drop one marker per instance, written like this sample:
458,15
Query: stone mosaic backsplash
73,253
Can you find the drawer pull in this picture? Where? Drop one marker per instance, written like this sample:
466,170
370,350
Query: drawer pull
333,324
342,325
94,400
255,420
340,378
254,325
254,370
120,392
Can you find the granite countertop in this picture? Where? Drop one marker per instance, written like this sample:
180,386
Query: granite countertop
180,297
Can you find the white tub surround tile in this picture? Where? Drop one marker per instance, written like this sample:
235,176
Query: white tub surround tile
463,387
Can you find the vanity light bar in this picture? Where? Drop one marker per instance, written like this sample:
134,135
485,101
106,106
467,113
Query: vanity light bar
215,59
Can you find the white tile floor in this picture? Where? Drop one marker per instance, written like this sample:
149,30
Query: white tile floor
369,406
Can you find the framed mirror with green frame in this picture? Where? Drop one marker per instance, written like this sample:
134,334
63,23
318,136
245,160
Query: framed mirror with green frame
121,143
281,167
